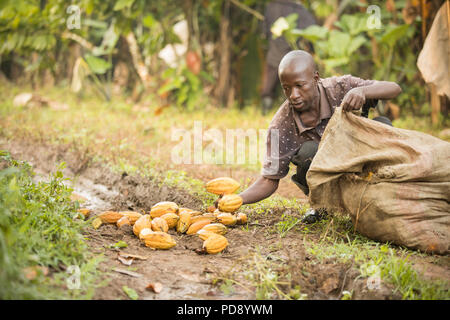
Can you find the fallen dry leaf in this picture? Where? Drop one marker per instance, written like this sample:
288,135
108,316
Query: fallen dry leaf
155,287
125,261
132,256
32,272
129,273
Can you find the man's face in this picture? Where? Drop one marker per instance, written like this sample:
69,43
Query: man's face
300,87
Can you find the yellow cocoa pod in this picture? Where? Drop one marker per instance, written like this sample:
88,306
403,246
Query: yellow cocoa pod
110,216
216,228
143,222
159,224
162,208
123,221
211,219
230,203
184,222
204,234
144,233
96,223
131,215
159,240
241,218
227,219
223,185
215,243
192,212
194,227
171,219
84,211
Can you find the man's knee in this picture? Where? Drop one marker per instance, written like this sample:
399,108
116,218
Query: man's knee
303,160
306,153
384,120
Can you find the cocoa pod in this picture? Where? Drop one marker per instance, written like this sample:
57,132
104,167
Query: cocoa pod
216,228
215,243
123,221
171,219
222,185
162,208
204,234
110,216
241,218
159,240
227,219
159,224
230,202
194,227
184,222
143,222
132,216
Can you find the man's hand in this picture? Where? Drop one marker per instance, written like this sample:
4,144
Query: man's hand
354,99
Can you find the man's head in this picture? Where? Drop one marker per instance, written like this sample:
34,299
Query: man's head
299,78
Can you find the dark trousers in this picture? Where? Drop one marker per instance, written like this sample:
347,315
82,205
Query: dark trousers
304,156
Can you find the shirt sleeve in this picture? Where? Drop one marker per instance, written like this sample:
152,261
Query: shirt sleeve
276,164
349,82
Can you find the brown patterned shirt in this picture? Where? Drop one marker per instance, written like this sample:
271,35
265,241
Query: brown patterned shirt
286,133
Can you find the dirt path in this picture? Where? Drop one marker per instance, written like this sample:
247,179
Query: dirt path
183,273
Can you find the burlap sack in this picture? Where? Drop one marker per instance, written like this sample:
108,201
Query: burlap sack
395,183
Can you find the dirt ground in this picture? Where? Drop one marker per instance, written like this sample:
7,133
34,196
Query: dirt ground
182,271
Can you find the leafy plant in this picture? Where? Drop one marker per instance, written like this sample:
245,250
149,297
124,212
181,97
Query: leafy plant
37,229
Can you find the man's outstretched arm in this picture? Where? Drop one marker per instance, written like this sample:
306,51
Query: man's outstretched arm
261,189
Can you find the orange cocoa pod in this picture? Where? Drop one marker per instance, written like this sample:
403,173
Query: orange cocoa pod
132,216
110,216
241,218
227,219
194,227
215,243
171,219
159,224
230,203
216,228
162,208
159,240
184,222
123,221
143,222
222,185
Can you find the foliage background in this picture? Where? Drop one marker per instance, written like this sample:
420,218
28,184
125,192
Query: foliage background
115,49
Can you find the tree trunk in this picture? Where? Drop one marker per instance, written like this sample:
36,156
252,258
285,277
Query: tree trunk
223,83
138,63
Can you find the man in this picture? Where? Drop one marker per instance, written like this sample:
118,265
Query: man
278,47
302,118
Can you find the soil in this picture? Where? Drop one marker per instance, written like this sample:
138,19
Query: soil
182,271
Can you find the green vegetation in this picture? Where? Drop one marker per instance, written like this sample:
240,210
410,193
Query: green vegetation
37,229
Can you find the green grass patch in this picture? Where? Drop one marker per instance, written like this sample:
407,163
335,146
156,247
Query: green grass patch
37,229
373,258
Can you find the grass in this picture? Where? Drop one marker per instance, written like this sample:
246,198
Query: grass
38,232
390,263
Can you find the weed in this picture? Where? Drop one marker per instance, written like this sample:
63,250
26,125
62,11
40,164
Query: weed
37,229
